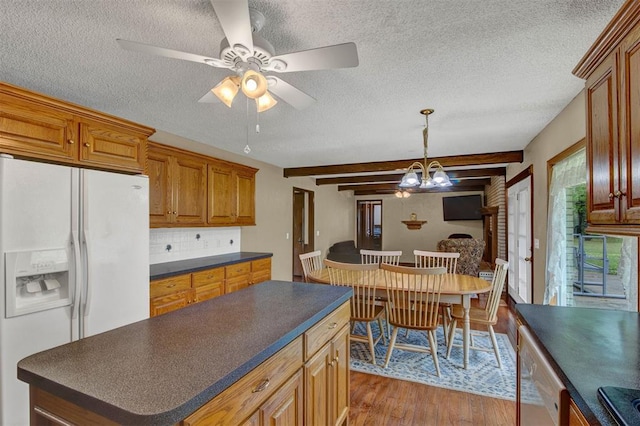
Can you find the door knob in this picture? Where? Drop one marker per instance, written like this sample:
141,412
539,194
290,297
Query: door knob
528,258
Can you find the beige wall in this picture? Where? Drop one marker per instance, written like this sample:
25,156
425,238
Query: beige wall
334,217
396,236
564,130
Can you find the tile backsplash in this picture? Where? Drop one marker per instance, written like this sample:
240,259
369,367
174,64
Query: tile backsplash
170,244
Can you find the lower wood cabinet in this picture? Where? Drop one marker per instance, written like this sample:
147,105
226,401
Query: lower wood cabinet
576,418
170,294
305,383
327,372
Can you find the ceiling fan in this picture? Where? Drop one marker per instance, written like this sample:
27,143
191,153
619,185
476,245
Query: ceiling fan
249,56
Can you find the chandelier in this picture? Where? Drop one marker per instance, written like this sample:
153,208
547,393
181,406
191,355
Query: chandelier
411,179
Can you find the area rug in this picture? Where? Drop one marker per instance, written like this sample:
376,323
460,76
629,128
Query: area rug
482,377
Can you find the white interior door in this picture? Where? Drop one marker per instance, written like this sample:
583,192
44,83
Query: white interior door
519,241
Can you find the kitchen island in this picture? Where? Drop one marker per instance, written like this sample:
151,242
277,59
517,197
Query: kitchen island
587,348
180,365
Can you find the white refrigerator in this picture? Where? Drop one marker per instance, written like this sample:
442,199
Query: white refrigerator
74,258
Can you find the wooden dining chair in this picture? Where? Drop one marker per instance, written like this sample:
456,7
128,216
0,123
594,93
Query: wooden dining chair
311,261
362,279
487,315
377,256
435,259
413,296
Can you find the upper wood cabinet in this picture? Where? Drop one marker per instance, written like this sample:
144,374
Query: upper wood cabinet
188,189
612,72
231,194
37,126
177,187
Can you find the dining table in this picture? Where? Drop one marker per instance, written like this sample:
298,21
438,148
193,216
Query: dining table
456,289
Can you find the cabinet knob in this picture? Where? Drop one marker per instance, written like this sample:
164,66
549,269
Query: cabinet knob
169,212
611,195
332,325
87,144
174,212
619,194
171,285
262,386
70,141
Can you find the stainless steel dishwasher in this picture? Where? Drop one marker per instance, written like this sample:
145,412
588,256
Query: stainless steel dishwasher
542,398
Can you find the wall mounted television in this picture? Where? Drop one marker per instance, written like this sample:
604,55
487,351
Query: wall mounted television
465,207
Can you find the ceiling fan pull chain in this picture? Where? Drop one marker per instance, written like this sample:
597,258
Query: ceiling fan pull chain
247,148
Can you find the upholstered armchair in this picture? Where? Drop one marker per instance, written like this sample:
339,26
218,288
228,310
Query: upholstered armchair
470,249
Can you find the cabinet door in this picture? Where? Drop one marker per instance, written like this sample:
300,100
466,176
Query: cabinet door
317,394
260,270
245,197
237,283
107,146
630,127
602,143
285,406
35,130
189,190
164,304
340,376
221,195
160,191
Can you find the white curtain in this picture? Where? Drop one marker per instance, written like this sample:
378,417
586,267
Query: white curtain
568,173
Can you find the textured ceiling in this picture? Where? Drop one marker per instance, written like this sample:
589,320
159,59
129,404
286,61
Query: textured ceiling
495,71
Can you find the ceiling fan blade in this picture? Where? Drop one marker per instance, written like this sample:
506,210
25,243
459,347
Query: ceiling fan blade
134,46
234,19
323,58
294,97
209,98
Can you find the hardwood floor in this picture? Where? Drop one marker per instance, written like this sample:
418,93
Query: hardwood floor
377,400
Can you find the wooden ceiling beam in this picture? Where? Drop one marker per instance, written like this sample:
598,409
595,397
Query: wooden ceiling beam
454,174
385,166
421,191
459,186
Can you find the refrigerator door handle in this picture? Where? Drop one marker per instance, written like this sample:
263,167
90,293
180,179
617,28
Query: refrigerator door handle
77,260
86,293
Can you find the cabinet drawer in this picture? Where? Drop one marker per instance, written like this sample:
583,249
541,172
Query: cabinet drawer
241,399
261,265
323,331
237,270
170,285
211,276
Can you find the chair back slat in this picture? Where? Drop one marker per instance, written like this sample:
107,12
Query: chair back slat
362,279
311,261
377,256
493,299
413,295
436,259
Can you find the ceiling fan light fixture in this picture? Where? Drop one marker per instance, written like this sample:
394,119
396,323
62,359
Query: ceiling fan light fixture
265,102
227,89
254,84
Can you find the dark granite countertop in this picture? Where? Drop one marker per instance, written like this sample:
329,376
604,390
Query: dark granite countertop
160,370
170,269
588,348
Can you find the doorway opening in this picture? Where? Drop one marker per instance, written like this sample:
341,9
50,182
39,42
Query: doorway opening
303,227
369,224
584,269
